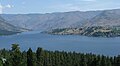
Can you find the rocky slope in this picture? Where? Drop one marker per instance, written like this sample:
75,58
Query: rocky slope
50,20
73,19
6,28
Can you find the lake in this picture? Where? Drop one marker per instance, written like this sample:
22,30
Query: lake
97,45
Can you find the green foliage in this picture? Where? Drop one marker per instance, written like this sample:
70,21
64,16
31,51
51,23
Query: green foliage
30,58
54,58
1,63
16,55
39,55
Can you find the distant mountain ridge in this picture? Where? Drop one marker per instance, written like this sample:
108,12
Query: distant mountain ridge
71,19
6,28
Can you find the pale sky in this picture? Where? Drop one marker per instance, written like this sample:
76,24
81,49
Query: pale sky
48,6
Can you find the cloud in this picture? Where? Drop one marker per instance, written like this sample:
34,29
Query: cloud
9,6
1,9
4,7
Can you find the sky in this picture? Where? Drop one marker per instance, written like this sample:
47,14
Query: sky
49,6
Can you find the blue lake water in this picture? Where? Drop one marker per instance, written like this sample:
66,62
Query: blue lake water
106,46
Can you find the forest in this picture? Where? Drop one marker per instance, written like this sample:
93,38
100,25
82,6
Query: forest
41,57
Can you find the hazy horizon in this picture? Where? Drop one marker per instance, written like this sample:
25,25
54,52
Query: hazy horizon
62,12
51,6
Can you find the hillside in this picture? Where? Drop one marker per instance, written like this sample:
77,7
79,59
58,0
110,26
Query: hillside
49,20
106,18
88,31
73,19
6,28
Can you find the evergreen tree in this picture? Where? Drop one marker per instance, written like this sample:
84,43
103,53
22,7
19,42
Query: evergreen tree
30,58
1,63
16,55
39,55
42,57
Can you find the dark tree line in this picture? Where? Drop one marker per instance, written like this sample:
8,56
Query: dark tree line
40,57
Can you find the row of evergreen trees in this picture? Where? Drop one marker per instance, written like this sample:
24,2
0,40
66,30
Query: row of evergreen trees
40,57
